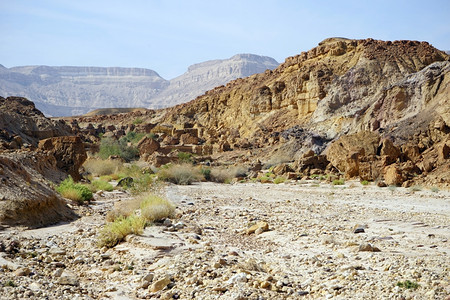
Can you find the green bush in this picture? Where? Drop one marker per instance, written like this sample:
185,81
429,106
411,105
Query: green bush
279,179
206,172
114,232
102,185
184,157
138,121
133,137
365,182
338,182
111,147
74,191
407,284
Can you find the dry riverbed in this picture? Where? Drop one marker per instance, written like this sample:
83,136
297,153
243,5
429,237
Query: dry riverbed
246,241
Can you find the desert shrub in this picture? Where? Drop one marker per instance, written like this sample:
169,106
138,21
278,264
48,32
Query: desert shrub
114,232
279,179
434,189
416,188
183,174
133,137
142,183
74,191
138,121
264,179
155,208
365,182
184,157
338,182
407,284
206,172
106,178
99,167
111,147
102,185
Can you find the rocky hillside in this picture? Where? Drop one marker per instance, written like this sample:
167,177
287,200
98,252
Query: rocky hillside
64,91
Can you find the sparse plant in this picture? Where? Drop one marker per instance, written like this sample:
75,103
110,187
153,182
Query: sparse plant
415,188
338,182
74,191
392,188
183,174
434,189
276,160
184,157
154,208
407,284
114,232
99,167
138,121
10,283
111,147
206,172
279,179
365,182
102,185
133,137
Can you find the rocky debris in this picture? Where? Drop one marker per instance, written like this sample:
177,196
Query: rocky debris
68,151
258,228
368,247
312,254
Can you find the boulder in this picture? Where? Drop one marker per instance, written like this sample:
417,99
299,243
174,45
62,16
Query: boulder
188,139
352,147
393,175
388,150
69,152
282,169
147,146
26,198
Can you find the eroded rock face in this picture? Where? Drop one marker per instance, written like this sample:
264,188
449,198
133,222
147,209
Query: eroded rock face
20,118
68,151
25,197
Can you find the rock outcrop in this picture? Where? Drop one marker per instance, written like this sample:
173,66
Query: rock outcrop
26,199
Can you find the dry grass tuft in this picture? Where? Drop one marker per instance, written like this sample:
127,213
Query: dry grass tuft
183,174
114,232
99,167
154,208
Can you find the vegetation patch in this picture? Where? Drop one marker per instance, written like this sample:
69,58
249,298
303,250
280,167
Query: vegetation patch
365,182
338,182
154,208
111,147
116,231
407,284
74,191
279,179
183,174
100,167
102,185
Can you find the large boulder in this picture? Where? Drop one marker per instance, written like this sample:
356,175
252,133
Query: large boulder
345,152
147,146
69,152
25,197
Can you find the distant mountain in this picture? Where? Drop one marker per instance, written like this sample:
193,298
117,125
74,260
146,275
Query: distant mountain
65,91
205,76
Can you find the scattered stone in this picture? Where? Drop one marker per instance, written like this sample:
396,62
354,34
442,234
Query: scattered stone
68,278
358,228
260,227
368,247
160,284
57,251
22,272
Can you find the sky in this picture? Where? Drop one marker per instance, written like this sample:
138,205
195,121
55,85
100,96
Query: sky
169,35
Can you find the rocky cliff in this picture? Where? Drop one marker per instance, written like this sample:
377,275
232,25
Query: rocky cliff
63,91
341,86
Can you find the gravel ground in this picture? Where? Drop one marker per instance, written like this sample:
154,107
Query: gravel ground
302,240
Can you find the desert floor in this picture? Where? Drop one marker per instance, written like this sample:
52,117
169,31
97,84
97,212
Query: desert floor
309,251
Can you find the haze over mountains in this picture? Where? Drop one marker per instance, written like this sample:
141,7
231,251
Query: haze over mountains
65,91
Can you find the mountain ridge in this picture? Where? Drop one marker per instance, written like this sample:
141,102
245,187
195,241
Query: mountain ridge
74,90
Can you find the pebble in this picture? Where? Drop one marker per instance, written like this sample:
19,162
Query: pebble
160,284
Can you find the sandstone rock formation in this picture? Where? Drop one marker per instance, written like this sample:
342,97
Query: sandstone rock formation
65,91
26,199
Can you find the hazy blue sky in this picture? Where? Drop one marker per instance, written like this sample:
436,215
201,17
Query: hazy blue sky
168,36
